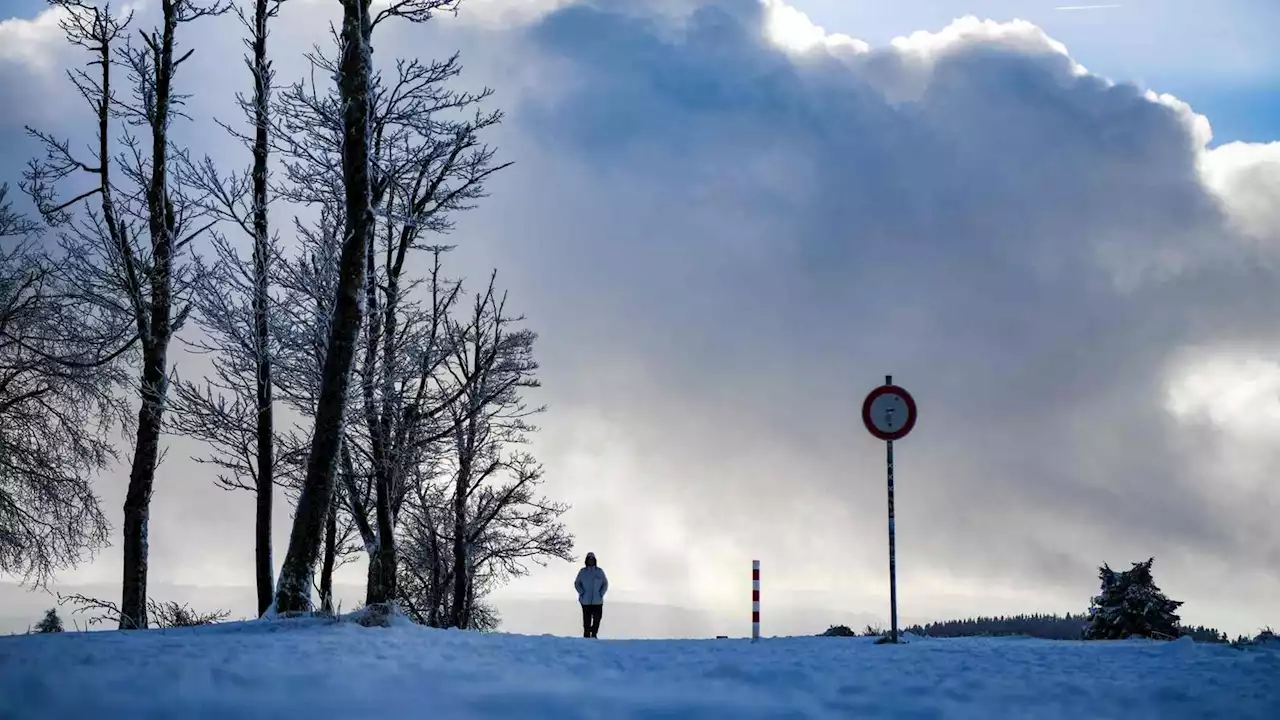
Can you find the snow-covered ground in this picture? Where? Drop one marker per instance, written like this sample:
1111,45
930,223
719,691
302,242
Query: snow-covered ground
326,669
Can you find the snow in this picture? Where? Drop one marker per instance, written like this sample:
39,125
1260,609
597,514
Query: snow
316,668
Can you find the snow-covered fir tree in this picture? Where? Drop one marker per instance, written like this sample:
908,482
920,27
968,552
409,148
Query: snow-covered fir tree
1130,604
51,623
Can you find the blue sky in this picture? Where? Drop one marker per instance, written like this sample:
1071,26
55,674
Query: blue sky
21,8
1250,113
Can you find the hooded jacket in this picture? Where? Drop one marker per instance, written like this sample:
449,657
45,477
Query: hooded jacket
591,585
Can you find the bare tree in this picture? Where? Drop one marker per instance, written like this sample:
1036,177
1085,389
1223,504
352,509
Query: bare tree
494,364
368,178
108,265
427,169
233,305
56,403
479,519
403,405
341,535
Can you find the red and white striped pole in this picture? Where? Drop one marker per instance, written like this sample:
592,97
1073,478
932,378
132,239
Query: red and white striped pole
755,600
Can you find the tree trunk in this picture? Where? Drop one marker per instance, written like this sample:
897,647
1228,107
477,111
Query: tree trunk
264,567
133,596
161,223
384,556
330,558
294,591
261,274
374,580
467,613
386,552
460,545
436,592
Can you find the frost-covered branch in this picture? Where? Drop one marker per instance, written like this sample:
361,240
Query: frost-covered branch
415,10
56,407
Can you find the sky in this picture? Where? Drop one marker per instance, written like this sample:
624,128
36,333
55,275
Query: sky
1057,229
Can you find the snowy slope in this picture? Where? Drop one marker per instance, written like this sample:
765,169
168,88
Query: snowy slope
325,669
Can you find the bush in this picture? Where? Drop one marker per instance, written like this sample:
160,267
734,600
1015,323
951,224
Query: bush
376,615
838,631
159,614
172,615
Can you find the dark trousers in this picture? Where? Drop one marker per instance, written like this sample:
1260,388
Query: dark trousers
591,620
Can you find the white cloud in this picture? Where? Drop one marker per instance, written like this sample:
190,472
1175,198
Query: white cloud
1236,393
33,43
1198,127
792,30
1018,35
1246,177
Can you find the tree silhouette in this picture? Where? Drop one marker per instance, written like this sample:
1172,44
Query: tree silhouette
51,622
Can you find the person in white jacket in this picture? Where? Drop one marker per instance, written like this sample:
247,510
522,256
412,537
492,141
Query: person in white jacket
591,585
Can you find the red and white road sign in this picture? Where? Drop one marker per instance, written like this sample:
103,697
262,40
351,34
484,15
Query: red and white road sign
889,412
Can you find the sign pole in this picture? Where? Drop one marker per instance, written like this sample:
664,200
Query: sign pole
889,413
893,555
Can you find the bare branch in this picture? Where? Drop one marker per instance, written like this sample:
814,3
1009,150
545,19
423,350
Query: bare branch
416,10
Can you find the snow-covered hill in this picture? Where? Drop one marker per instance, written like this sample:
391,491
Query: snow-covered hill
326,669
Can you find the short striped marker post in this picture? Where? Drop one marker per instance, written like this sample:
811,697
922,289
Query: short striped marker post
755,600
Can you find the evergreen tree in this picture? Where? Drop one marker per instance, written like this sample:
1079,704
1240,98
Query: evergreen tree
51,622
1131,604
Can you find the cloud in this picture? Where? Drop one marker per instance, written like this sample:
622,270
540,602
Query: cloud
1246,178
32,43
764,231
728,224
32,57
792,30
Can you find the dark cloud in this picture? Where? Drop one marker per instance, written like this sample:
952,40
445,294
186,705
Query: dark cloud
741,242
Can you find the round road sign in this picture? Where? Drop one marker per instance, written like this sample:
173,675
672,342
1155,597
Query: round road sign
889,412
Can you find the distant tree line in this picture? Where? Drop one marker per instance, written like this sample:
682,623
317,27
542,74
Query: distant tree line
1038,625
1129,604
